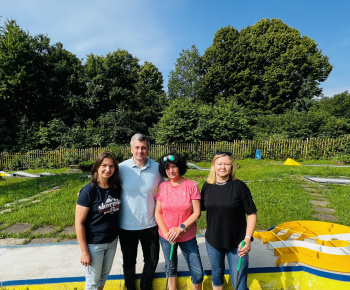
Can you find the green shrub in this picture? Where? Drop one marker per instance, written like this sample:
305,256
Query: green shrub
71,159
17,163
117,151
46,163
86,165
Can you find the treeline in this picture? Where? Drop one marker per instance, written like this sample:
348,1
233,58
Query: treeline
259,83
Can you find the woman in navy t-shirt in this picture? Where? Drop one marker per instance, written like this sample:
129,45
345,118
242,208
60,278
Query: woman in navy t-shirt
97,220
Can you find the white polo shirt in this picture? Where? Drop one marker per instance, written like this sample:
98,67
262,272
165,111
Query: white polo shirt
138,194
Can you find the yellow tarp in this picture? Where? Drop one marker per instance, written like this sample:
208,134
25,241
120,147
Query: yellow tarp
290,161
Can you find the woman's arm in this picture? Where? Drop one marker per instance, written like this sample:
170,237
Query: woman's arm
176,231
158,214
251,223
81,213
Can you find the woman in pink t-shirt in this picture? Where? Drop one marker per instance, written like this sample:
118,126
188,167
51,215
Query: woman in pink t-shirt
177,210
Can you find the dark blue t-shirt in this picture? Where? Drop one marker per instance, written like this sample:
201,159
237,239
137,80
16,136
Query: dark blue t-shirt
102,221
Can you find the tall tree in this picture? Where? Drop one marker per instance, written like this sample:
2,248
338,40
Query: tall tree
150,98
38,81
185,80
110,81
17,73
266,67
221,65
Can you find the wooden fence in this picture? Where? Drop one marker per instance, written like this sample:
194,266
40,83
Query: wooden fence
202,151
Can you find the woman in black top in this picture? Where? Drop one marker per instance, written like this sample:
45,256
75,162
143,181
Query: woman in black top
97,220
227,201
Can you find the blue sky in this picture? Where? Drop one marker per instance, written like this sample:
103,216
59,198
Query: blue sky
157,30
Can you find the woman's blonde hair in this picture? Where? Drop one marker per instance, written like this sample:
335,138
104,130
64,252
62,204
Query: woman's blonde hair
212,175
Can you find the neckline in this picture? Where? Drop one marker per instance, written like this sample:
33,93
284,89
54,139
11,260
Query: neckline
222,183
176,186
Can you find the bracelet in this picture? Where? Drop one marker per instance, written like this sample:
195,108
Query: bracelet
248,237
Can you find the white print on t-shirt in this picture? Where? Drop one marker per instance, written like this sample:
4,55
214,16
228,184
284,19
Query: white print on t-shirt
110,206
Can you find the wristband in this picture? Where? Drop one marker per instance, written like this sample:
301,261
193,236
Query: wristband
248,237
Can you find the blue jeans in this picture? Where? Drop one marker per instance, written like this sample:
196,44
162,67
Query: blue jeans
217,261
129,240
191,253
102,256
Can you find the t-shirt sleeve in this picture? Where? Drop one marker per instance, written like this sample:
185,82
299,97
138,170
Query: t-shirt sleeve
195,193
247,199
84,196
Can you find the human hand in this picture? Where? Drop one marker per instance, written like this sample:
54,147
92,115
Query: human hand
85,258
173,234
245,249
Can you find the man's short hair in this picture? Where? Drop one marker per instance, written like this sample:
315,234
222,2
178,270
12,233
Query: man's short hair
140,138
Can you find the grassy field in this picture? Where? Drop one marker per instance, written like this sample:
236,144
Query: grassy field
276,188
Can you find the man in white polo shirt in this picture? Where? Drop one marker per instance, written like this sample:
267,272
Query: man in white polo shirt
139,177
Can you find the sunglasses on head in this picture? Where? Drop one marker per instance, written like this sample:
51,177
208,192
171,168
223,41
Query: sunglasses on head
169,157
223,153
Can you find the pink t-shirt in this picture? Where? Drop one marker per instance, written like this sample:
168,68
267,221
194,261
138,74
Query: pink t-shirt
177,206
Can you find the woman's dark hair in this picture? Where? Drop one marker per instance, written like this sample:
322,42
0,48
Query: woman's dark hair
172,158
113,181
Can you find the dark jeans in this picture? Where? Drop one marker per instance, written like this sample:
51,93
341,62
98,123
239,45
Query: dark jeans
129,241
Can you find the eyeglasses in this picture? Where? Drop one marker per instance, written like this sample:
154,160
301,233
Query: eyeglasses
223,153
169,157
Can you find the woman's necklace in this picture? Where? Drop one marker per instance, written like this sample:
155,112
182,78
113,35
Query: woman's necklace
221,183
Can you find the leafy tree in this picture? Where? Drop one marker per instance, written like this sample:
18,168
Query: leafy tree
50,135
178,124
185,80
266,67
125,101
38,82
110,81
150,98
186,121
221,65
225,121
338,105
16,76
60,85
299,125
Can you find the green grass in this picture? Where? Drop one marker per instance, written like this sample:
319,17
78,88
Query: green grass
276,189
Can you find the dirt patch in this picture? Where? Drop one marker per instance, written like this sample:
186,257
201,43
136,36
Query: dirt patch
17,228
